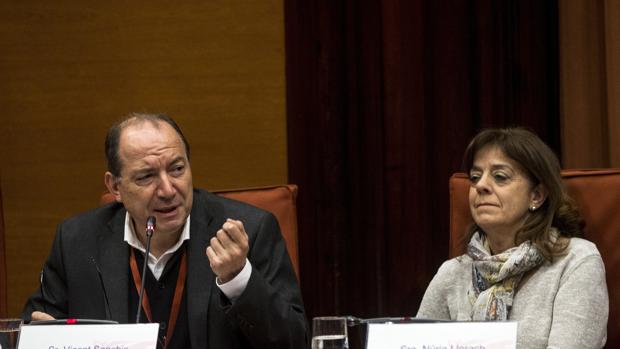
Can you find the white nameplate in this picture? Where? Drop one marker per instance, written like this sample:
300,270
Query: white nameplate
445,335
127,336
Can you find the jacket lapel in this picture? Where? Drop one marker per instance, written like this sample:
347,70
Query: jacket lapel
113,259
200,277
113,262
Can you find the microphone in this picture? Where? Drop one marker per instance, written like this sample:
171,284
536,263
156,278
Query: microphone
43,296
108,312
353,321
150,228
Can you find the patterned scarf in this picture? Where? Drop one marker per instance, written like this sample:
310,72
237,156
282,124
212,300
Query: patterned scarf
496,277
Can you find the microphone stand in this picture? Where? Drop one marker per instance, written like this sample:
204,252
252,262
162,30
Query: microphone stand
353,321
150,227
108,312
43,296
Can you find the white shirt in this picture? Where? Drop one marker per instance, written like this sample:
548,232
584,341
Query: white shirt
232,289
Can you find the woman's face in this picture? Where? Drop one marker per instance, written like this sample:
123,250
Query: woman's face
500,193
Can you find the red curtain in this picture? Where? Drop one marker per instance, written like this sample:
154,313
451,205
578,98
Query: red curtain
590,82
382,98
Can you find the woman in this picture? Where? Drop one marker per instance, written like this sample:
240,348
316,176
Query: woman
524,260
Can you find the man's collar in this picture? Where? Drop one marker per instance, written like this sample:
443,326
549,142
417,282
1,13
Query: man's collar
132,238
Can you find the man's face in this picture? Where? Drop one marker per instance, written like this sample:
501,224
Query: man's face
155,179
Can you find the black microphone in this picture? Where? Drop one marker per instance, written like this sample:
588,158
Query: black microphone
150,228
353,321
43,296
108,312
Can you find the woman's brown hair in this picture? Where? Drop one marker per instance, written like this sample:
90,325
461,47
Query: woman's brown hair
541,166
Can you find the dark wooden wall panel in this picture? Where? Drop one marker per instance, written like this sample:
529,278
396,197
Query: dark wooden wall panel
3,289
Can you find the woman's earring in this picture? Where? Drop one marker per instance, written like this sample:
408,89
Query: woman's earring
533,208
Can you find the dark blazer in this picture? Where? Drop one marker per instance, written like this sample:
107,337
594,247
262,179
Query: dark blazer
269,313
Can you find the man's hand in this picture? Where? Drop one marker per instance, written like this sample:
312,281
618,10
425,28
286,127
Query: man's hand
228,250
41,316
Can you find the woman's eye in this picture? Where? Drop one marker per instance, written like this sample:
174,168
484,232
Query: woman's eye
474,177
500,177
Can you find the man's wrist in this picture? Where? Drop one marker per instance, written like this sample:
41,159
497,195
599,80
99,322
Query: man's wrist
235,287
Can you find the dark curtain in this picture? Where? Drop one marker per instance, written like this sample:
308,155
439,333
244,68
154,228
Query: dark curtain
382,99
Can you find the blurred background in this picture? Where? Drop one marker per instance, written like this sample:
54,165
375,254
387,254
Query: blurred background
367,105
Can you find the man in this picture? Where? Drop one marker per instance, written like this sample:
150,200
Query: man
219,275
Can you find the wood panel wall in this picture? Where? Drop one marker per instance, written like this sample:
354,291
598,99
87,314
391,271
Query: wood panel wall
69,69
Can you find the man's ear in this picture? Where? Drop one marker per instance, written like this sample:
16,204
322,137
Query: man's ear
112,182
539,195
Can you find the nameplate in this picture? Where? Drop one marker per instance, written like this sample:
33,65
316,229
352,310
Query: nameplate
445,335
127,336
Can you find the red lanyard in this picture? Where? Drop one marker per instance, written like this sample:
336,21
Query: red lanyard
178,293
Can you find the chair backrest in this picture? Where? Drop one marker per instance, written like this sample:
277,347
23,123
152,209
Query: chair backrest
281,200
3,288
597,194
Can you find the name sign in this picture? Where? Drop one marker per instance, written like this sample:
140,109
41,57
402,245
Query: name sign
444,335
126,336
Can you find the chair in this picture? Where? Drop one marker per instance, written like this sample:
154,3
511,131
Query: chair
597,194
3,288
280,200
